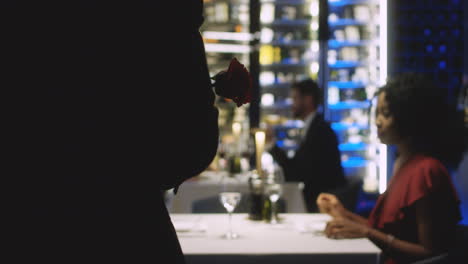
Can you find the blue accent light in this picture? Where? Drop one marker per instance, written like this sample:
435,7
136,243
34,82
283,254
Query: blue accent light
346,85
427,32
341,3
282,134
343,126
442,64
429,48
280,143
354,162
442,48
344,64
349,105
352,146
345,22
335,44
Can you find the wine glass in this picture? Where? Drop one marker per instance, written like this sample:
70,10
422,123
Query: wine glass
230,196
274,191
230,200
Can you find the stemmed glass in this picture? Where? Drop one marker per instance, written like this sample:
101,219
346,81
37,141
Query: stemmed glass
274,191
230,197
230,201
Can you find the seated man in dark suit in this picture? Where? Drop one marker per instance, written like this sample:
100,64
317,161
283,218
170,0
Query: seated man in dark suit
316,161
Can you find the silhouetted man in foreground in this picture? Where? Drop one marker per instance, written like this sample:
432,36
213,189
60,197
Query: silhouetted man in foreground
110,106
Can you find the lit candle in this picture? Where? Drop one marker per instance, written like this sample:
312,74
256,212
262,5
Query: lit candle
259,146
236,129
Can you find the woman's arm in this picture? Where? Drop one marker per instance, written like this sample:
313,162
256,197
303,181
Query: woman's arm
339,228
329,204
354,217
434,233
394,246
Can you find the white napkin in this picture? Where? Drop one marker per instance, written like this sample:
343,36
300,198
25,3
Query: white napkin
316,228
183,226
189,227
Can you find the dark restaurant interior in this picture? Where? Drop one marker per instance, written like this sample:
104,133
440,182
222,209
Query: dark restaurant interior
105,125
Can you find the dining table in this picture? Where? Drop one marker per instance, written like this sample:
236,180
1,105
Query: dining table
297,238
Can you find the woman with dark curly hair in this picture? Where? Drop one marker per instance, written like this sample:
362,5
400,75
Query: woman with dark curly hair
416,217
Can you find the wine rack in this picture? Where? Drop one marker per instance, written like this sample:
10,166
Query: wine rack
356,67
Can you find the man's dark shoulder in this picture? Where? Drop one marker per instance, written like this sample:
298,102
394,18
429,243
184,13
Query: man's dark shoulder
323,129
323,124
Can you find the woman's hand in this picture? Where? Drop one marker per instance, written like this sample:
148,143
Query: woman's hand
339,228
329,204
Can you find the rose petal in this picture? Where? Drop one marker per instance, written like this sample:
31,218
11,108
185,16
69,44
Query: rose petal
235,83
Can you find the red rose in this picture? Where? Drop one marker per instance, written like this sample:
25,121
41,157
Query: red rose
235,83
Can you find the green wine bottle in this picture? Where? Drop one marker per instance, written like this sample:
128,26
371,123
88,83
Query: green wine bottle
266,210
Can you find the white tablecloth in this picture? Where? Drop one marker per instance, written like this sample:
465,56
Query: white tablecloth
208,185
297,239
